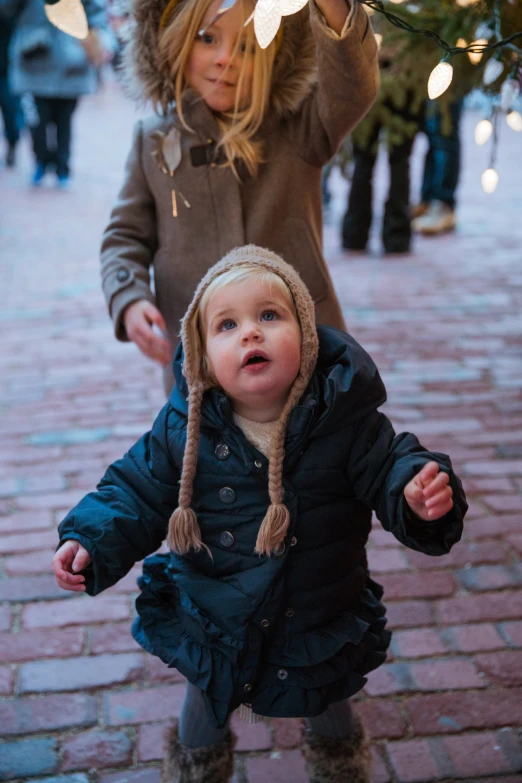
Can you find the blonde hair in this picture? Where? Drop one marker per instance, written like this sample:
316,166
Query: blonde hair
239,125
198,326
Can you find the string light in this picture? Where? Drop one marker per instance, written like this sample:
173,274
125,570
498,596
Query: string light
440,79
461,43
466,3
68,16
489,180
514,120
483,131
492,70
476,57
509,92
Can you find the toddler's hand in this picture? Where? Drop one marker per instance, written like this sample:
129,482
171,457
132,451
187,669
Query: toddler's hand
141,318
428,494
70,558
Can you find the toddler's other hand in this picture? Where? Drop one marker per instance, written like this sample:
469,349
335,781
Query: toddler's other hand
142,320
68,559
428,494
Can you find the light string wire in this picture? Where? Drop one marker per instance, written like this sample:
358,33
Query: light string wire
378,5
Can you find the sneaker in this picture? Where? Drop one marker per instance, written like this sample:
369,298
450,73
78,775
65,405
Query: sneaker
419,209
63,182
438,218
39,174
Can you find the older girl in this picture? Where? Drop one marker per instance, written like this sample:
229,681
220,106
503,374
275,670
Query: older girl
233,154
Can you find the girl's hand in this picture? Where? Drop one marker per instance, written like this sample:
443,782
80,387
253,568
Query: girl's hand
139,319
428,494
68,559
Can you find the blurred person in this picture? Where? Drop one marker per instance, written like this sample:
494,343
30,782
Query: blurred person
435,214
9,103
56,70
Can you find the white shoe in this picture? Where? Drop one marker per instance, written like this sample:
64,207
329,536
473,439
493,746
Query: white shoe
438,218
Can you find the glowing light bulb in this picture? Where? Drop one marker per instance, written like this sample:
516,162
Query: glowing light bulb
440,79
69,17
514,120
483,131
378,38
492,70
476,57
489,180
396,1
466,3
509,92
462,43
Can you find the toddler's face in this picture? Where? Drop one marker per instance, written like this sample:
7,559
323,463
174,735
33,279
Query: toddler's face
214,65
253,344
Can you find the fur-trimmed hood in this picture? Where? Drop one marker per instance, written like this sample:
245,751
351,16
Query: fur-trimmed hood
294,67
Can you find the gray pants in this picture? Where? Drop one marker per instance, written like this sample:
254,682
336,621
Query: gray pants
196,732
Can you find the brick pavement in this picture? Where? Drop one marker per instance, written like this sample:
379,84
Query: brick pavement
79,702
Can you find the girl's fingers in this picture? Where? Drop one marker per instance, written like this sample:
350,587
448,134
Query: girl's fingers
81,560
75,588
428,473
440,481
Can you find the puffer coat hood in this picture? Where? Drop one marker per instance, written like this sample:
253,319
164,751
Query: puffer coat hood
295,67
288,634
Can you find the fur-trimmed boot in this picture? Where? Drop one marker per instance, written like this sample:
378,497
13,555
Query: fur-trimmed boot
197,765
338,760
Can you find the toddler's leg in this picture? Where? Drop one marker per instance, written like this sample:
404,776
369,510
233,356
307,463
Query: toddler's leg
194,729
195,750
335,747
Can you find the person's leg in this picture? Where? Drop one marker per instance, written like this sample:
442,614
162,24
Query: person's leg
335,746
358,217
64,110
11,113
39,136
396,231
195,750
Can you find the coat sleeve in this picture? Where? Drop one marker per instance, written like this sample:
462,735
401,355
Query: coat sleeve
347,86
129,241
126,519
381,464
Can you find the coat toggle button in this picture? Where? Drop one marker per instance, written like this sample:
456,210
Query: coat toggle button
222,451
265,623
282,674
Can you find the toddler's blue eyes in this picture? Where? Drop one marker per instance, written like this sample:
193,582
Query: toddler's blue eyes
269,316
227,325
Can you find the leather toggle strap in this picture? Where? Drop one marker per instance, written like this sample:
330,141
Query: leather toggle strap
205,155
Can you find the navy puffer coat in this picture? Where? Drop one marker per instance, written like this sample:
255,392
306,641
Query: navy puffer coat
294,632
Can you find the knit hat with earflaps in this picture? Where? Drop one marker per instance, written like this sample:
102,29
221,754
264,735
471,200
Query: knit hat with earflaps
184,532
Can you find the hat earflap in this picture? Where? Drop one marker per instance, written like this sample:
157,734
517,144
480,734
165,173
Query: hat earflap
184,532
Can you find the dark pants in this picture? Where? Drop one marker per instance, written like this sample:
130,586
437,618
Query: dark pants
54,113
442,164
396,231
11,113
195,730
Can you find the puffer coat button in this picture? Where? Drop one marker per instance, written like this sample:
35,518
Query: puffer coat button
122,274
279,552
248,687
222,451
226,539
227,495
289,612
265,623
293,542
258,463
282,674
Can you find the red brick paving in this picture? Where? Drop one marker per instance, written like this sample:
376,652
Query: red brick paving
79,702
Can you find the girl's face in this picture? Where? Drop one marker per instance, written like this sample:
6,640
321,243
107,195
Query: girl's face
218,58
253,345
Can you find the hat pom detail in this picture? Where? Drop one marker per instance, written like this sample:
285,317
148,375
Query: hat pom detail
273,529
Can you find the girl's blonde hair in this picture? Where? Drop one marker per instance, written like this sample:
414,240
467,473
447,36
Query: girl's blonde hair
198,325
239,125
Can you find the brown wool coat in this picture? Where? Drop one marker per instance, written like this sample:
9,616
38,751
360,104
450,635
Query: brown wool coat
323,85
